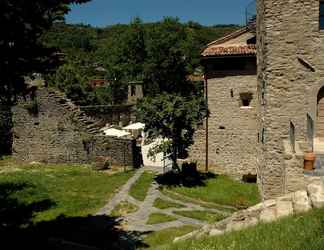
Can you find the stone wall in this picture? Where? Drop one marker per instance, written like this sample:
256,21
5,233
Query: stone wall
116,115
232,127
290,74
267,211
58,132
5,130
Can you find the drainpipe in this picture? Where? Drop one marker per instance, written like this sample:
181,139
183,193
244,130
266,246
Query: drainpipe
206,98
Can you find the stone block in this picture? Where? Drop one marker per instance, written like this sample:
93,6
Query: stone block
269,203
316,194
239,225
284,208
185,237
268,215
301,202
215,232
257,207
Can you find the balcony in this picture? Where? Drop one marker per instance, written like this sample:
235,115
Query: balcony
251,15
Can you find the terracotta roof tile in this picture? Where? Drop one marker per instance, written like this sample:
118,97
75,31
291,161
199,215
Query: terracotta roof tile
249,49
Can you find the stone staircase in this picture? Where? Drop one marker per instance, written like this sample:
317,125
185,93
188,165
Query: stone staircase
86,123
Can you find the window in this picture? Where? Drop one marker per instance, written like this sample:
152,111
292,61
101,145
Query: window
263,136
292,137
246,99
321,16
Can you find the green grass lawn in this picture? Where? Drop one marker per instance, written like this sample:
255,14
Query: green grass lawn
300,232
123,209
156,240
209,217
141,186
221,190
58,190
156,218
163,204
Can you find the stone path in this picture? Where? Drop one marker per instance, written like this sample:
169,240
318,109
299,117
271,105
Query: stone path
121,195
137,221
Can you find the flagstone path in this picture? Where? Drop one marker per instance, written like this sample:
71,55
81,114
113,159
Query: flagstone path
137,221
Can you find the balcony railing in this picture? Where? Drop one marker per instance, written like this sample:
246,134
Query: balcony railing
251,15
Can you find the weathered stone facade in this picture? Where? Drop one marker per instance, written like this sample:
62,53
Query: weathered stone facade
58,132
290,75
232,128
289,105
232,132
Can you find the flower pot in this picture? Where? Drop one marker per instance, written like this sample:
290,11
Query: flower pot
309,160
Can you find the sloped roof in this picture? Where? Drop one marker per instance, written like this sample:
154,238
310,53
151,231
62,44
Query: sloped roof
232,44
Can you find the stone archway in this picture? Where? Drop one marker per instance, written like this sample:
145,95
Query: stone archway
320,114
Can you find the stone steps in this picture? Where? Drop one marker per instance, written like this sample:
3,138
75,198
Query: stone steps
89,125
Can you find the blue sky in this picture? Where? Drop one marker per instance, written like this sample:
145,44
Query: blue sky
208,12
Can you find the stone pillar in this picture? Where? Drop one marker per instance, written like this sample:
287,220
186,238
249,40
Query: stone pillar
289,69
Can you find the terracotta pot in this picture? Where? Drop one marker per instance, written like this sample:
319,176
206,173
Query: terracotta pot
309,160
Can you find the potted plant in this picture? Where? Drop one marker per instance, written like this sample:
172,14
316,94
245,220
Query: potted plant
309,160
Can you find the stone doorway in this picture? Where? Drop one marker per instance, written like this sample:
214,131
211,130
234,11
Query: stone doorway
319,135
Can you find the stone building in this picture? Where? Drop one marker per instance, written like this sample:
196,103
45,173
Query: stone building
285,115
290,90
230,67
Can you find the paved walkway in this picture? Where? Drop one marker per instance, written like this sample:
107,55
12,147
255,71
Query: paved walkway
137,221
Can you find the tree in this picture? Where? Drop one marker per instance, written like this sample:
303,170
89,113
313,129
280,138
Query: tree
172,118
69,79
165,65
22,53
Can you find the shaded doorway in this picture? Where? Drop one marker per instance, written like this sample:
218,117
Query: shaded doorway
320,115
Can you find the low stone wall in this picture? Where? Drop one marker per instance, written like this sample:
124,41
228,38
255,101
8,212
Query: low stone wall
5,130
116,115
56,131
121,151
267,211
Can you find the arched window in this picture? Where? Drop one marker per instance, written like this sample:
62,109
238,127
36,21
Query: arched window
292,137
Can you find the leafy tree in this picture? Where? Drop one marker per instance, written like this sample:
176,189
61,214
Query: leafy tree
165,65
21,51
70,80
172,118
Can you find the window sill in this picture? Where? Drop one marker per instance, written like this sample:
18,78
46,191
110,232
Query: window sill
246,107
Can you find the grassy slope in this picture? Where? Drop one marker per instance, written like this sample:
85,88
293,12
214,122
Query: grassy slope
301,232
72,190
141,186
224,191
155,240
